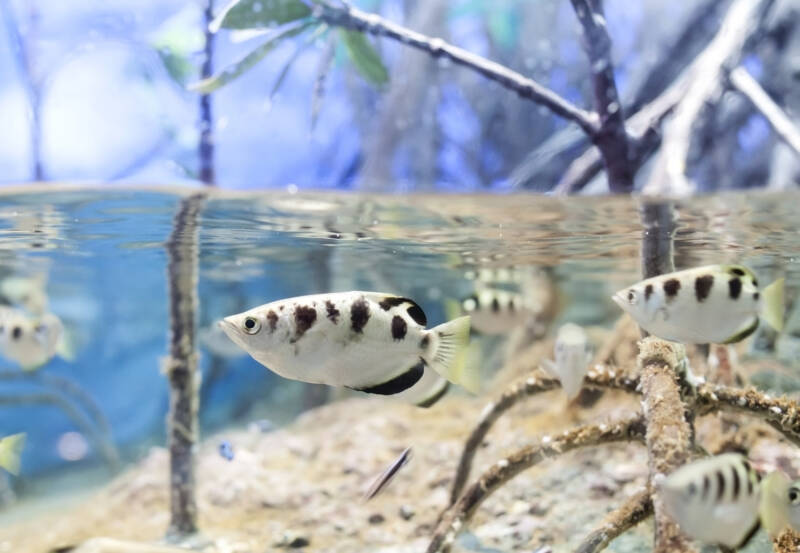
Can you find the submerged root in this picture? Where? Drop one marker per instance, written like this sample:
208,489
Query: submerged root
632,512
532,385
629,429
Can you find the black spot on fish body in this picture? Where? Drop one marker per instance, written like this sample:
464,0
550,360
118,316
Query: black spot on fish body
756,295
734,288
648,291
511,306
16,333
426,340
304,317
702,286
414,311
495,305
706,486
417,314
399,383
272,319
333,313
720,485
399,327
392,301
736,483
737,271
671,287
359,315
755,283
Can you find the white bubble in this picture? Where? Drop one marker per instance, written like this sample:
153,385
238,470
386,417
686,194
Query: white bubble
72,446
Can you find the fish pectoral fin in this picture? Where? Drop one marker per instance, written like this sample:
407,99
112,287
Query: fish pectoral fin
773,307
10,452
448,357
395,384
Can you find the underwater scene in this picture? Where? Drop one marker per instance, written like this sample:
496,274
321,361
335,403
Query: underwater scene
549,365
399,276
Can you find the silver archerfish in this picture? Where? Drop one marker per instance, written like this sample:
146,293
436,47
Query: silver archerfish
572,353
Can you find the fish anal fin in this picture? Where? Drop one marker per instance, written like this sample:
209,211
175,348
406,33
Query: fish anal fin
399,383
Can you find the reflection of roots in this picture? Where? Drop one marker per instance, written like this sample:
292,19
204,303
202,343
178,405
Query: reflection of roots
73,400
670,405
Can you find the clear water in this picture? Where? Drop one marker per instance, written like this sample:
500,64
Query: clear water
103,253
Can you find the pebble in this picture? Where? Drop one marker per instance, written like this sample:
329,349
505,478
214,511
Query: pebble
407,512
376,518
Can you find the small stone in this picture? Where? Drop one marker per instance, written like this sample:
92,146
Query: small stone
407,512
376,518
293,540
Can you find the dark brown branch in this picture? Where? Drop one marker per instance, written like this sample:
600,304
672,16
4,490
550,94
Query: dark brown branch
206,145
668,435
181,365
612,139
628,429
777,118
707,83
636,509
657,254
349,17
531,386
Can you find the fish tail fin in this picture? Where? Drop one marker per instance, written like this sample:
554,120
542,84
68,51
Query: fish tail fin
773,503
772,310
448,357
452,309
10,451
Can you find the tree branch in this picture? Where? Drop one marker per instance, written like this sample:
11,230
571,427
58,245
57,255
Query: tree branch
707,80
205,147
533,385
351,18
777,118
668,434
636,509
627,429
611,140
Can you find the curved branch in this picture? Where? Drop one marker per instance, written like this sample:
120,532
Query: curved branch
349,17
628,429
533,385
101,444
636,509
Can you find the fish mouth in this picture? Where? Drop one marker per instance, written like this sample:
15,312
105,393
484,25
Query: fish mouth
619,300
227,326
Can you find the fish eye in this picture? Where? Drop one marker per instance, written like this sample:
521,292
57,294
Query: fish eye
794,495
632,297
251,325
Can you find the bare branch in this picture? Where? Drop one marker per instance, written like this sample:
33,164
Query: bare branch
636,509
625,430
777,118
611,139
351,18
205,148
707,83
668,434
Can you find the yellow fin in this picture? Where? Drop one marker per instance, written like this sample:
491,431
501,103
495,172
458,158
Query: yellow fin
10,451
774,503
773,307
450,354
452,309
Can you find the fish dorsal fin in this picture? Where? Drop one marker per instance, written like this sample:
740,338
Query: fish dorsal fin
387,301
739,270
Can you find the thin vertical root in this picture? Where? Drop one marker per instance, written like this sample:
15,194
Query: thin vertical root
628,429
636,509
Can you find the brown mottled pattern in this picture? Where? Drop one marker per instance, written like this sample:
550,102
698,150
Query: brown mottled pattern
304,317
392,301
648,291
359,315
272,319
333,313
734,288
702,286
671,288
399,327
423,344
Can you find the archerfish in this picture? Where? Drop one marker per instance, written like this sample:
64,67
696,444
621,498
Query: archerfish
494,311
368,341
714,500
30,341
780,504
572,356
717,304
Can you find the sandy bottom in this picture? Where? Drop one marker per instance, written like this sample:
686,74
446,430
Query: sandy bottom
301,487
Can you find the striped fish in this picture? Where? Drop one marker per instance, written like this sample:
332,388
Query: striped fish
714,500
367,341
713,304
387,475
496,311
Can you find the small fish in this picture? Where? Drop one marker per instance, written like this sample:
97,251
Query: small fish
386,476
367,341
10,451
26,292
572,353
30,341
225,450
716,304
714,500
494,311
780,504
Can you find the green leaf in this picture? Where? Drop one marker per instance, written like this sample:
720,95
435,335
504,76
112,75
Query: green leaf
318,32
251,14
365,57
178,66
236,69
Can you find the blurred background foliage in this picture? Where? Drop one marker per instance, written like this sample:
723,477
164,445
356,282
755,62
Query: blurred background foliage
98,91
